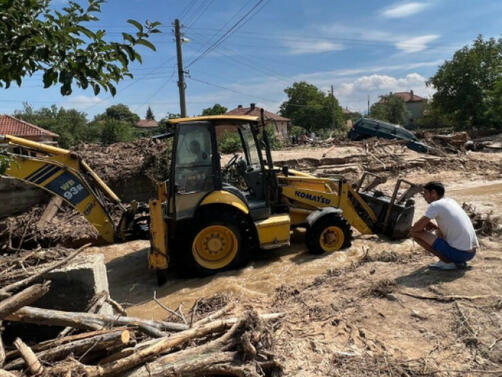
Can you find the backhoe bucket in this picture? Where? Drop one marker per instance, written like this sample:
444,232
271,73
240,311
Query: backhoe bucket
400,222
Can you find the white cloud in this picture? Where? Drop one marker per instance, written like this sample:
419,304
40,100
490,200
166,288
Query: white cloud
405,43
416,44
404,10
309,47
84,103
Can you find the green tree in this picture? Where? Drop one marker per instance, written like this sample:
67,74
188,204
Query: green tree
462,84
115,131
149,114
494,105
36,38
310,108
217,109
71,125
391,109
118,112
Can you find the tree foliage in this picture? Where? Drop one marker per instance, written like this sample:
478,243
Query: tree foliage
310,108
391,109
71,125
120,113
36,38
464,84
217,109
149,114
114,131
494,105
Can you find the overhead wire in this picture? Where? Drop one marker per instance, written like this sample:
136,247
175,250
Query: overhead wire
225,35
201,12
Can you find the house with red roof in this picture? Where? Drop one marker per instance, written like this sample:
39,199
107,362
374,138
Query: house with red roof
147,124
415,105
10,125
280,124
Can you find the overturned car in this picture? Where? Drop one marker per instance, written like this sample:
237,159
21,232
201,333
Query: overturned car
365,128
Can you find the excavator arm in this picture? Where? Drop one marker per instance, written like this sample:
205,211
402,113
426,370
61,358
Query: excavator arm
63,173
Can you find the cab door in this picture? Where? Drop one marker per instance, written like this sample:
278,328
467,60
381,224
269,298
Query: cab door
194,167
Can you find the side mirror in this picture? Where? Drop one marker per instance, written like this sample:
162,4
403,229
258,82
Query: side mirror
285,170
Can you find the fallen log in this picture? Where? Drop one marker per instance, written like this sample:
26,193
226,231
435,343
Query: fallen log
23,298
92,321
29,357
48,344
162,345
2,349
95,306
111,340
201,365
4,373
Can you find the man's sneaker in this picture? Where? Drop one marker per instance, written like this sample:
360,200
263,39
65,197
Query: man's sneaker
443,266
461,265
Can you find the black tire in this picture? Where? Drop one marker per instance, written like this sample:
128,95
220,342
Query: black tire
161,277
340,229
233,225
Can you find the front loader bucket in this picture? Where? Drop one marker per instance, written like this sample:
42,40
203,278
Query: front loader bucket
400,224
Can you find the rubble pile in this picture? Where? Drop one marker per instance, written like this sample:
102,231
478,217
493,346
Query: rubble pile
120,161
26,231
485,224
95,344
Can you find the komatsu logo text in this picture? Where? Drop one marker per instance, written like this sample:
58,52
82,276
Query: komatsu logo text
315,198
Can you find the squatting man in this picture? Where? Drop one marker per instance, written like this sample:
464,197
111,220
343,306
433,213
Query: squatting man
453,240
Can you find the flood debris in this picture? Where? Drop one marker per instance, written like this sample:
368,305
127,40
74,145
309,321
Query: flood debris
485,224
120,161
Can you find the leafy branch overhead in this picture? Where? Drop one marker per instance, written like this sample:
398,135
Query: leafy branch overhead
36,38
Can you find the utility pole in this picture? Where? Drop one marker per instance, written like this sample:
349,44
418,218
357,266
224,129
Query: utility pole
181,79
368,105
334,109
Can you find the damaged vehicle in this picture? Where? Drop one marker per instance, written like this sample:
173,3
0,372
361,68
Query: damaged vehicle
365,128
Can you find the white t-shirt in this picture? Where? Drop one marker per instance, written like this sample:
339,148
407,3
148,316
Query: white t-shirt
454,223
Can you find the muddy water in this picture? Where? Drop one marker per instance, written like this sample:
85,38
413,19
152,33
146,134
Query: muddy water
130,280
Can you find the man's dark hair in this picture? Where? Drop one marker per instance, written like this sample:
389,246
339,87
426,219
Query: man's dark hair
435,186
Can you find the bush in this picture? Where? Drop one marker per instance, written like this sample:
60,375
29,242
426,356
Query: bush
275,143
230,142
4,162
115,131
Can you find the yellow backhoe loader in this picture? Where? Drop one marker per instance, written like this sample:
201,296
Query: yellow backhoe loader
209,215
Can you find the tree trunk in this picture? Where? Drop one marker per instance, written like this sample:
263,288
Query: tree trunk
23,298
162,345
4,373
29,357
97,343
193,366
2,349
91,321
68,339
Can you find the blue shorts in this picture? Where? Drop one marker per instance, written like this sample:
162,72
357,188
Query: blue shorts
450,253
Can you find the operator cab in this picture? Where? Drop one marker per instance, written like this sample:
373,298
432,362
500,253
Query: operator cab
200,165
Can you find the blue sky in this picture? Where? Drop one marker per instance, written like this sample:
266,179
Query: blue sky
362,48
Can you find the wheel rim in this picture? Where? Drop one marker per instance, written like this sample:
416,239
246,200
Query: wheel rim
331,238
215,247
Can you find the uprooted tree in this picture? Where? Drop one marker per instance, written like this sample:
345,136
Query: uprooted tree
36,38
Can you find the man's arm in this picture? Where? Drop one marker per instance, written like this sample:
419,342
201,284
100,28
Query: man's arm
421,225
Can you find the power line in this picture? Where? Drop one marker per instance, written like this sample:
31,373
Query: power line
203,10
187,8
230,90
265,71
225,35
